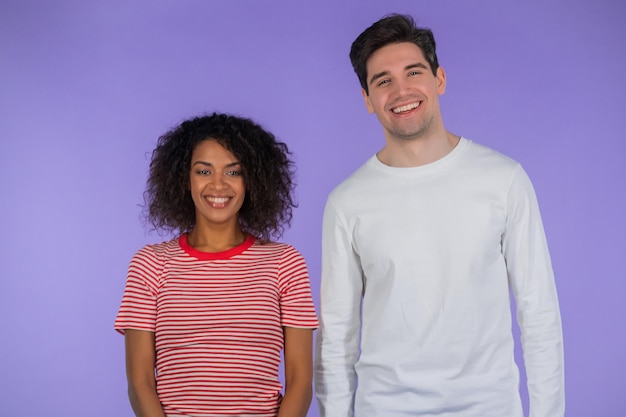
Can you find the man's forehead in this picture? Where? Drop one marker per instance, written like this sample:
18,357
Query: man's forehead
396,56
397,53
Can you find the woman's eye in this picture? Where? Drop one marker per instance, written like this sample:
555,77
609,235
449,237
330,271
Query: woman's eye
233,173
204,172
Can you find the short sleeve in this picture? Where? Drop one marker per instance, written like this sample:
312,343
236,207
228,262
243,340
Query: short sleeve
138,307
296,303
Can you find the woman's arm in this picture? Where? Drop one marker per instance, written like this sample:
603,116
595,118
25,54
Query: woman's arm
140,360
298,372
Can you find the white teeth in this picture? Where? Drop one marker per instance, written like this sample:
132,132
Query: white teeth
408,107
219,200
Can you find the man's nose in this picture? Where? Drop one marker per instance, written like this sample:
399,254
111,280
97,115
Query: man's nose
401,85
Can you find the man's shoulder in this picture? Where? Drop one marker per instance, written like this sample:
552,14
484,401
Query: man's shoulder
488,158
354,183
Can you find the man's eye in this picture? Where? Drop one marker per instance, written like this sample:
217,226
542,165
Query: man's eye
383,82
412,73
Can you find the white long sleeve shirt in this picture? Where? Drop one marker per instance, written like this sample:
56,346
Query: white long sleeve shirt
416,272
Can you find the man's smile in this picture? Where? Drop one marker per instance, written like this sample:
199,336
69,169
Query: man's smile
405,108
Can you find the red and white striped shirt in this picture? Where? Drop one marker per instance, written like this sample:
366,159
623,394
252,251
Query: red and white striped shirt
218,320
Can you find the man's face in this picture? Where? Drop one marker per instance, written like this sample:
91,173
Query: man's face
403,92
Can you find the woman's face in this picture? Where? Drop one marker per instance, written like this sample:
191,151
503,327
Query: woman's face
216,184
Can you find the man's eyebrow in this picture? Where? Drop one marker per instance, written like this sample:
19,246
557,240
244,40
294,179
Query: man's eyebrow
377,76
232,164
417,65
384,73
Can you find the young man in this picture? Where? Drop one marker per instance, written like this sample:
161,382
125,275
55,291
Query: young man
421,246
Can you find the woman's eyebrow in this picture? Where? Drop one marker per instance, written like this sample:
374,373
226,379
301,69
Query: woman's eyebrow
232,164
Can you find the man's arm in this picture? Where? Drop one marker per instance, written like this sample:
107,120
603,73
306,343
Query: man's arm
339,334
532,281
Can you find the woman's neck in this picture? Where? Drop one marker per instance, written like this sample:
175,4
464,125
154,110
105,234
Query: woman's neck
215,240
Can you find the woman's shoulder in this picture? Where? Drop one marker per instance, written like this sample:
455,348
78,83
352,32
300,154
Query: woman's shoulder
158,252
274,247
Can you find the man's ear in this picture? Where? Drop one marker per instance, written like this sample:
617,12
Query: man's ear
368,103
441,81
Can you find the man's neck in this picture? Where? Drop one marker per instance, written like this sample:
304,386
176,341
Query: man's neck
403,153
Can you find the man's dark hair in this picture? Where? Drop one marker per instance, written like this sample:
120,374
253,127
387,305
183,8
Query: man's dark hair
266,168
393,28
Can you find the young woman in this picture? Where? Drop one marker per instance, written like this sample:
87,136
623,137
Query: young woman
207,314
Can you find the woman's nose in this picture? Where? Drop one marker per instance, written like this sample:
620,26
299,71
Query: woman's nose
218,182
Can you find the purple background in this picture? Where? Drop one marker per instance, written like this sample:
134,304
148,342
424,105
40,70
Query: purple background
86,88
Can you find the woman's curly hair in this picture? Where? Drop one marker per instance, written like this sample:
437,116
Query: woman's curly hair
266,168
